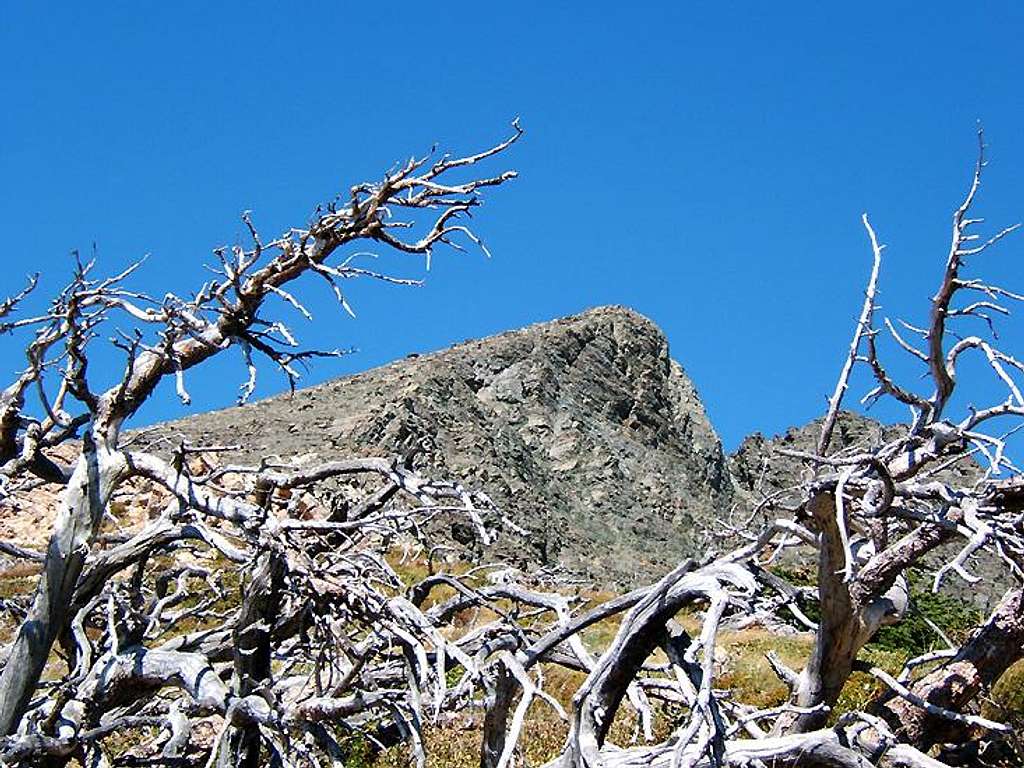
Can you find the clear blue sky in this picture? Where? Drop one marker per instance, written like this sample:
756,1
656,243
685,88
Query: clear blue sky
704,163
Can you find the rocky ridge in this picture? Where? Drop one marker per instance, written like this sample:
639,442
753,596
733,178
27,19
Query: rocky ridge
582,430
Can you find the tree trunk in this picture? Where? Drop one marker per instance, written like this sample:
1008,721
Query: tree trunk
261,603
97,473
836,641
499,702
844,627
986,655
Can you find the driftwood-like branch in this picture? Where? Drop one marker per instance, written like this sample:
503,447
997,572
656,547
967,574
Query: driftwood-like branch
321,602
863,325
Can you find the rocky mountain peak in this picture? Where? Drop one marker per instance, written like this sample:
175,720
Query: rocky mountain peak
583,430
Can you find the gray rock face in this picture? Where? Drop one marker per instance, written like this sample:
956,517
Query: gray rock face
758,471
582,430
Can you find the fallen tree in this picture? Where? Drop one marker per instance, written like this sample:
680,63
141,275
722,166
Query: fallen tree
326,639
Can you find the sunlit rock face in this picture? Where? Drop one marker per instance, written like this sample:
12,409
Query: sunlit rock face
582,430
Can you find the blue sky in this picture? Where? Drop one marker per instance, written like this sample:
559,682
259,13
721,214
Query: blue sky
703,163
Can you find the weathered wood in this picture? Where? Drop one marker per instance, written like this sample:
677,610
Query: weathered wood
261,608
97,474
990,650
84,585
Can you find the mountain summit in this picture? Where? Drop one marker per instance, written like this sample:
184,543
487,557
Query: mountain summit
582,430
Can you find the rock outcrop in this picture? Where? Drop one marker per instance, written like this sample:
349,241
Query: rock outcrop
583,430
758,470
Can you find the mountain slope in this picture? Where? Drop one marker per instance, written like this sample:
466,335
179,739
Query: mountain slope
582,430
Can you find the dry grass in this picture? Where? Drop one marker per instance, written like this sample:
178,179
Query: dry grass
741,667
458,744
19,580
746,670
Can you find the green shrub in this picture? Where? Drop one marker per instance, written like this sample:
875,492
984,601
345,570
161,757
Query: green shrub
1006,701
913,636
359,752
862,689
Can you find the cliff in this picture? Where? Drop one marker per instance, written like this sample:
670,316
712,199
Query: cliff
583,430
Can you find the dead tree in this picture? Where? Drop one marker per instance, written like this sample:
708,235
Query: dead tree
324,631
